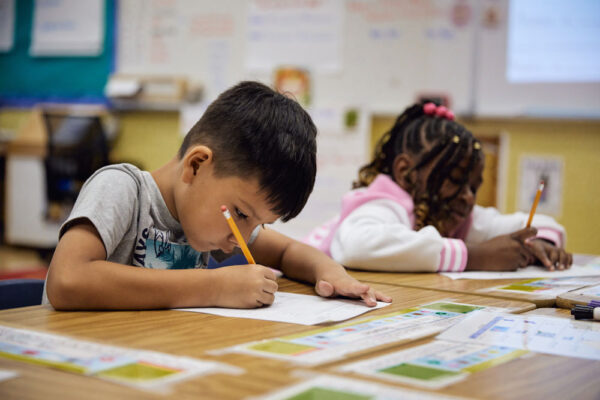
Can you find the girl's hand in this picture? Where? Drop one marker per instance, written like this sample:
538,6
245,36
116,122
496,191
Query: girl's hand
349,287
502,253
549,255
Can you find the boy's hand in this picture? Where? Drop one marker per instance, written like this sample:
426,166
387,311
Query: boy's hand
502,253
549,255
349,287
245,286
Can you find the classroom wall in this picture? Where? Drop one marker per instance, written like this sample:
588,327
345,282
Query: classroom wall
147,139
577,142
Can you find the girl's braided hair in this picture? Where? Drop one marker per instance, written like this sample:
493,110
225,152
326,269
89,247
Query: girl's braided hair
428,137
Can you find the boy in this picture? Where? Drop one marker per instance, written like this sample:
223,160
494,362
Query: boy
254,151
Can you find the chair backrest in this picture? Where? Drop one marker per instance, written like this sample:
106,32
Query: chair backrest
76,147
20,292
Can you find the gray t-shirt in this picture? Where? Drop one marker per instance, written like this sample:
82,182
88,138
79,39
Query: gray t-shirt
127,209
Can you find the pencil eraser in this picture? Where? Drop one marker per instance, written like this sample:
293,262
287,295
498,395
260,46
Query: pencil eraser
223,208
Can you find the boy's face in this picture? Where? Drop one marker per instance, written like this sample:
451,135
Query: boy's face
198,203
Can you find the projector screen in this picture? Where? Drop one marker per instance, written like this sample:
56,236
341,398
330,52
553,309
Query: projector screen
553,41
539,58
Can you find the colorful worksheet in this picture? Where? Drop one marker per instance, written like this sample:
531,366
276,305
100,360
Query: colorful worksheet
532,271
337,341
546,287
137,368
551,335
297,309
339,388
436,364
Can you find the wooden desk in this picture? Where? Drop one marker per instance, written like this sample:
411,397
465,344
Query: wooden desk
439,282
581,296
551,312
181,333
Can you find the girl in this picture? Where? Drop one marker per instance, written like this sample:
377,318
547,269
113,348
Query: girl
413,208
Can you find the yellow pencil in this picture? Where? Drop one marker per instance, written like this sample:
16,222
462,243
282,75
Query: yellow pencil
535,203
238,235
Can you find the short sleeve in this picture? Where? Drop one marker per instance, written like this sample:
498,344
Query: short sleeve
108,200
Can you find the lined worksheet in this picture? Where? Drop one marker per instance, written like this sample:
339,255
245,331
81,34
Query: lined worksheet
297,309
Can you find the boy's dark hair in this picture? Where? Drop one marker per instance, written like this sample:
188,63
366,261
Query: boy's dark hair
257,132
427,137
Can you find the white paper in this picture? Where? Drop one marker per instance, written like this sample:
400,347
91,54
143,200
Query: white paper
593,291
7,374
551,335
68,28
302,34
122,87
101,361
297,309
349,388
7,24
531,271
335,342
442,363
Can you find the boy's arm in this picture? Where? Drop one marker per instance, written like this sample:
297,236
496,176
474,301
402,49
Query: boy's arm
305,263
80,278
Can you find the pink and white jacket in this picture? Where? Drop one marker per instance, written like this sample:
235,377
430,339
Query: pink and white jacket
375,231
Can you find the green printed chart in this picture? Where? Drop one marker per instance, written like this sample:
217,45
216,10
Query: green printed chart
436,364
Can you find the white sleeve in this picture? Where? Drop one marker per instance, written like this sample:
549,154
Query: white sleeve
378,236
488,223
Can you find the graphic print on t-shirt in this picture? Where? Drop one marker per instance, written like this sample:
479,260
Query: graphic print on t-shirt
155,250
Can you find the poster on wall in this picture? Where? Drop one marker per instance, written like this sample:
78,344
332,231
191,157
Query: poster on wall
67,28
533,170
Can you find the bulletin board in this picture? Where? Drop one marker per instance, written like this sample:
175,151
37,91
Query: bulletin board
388,52
28,80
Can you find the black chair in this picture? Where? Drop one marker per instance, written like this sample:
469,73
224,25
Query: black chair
77,146
20,293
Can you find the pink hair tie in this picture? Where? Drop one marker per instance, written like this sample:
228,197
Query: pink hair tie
441,111
429,108
450,115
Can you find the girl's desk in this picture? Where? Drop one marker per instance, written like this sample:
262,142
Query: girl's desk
186,334
542,293
581,296
551,312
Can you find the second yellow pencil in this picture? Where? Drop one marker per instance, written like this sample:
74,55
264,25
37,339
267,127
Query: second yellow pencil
535,203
